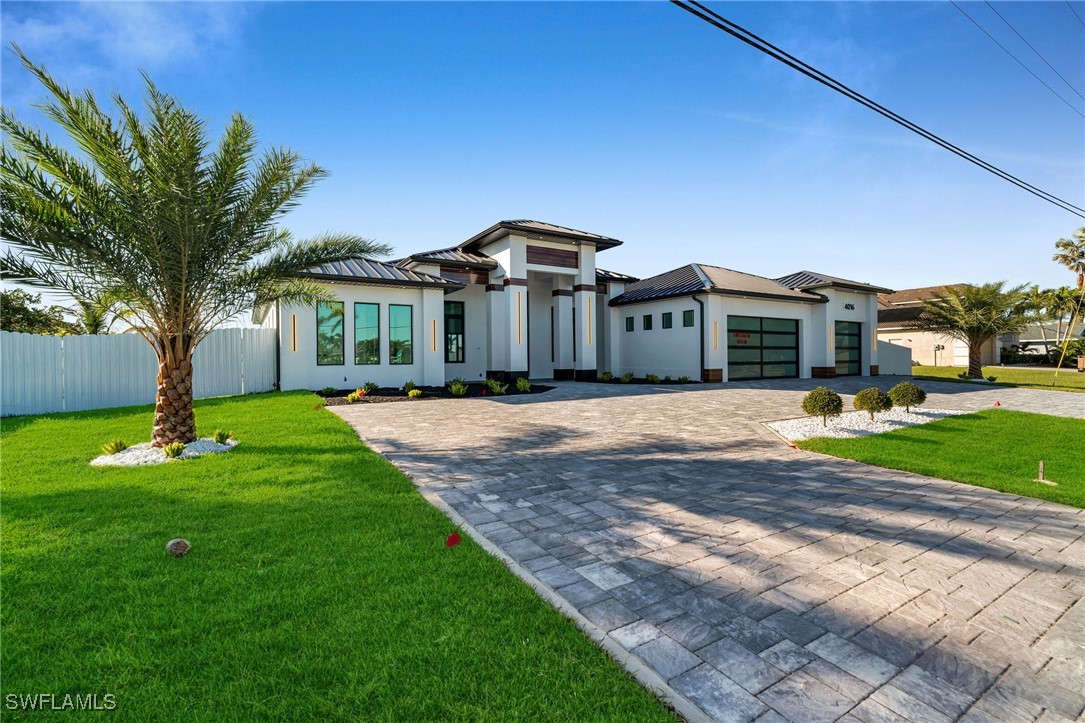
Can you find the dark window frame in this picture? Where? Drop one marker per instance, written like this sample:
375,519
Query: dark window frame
667,322
646,322
342,333
688,318
462,316
378,307
760,331
857,335
630,323
392,357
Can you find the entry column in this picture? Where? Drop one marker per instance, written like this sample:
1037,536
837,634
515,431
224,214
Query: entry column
563,331
585,341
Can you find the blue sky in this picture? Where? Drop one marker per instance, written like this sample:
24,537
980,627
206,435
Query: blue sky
634,120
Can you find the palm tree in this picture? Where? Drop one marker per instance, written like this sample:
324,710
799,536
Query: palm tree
1039,303
1072,255
1062,305
974,314
95,315
186,236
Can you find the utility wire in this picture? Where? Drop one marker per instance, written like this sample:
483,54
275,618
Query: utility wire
1007,52
1074,12
1064,80
713,18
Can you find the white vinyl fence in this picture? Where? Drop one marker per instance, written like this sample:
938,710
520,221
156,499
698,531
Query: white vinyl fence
894,360
41,374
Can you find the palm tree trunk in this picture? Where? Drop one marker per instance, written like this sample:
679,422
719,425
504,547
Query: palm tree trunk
975,369
174,420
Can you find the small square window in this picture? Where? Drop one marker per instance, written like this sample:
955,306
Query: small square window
687,317
647,322
667,323
629,323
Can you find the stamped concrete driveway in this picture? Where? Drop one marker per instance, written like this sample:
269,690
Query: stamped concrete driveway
745,580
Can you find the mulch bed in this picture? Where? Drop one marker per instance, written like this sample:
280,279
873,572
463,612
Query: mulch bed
386,394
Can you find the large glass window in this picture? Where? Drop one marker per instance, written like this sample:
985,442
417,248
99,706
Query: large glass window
761,348
367,335
329,333
687,317
667,320
454,334
400,334
849,348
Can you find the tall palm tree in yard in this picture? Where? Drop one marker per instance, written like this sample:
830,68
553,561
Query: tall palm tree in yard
1071,254
974,314
184,236
95,315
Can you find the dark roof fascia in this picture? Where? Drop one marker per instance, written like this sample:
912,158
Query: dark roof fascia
448,287
481,239
814,298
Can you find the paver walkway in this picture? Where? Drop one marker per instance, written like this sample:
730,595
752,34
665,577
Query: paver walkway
762,582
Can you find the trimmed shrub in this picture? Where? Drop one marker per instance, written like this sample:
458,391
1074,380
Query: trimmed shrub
328,391
523,384
683,379
409,386
114,445
872,401
368,388
457,388
173,449
651,378
495,386
606,377
823,402
626,378
414,393
667,378
907,395
221,437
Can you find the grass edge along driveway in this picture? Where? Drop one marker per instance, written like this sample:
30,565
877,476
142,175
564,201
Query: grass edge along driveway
995,448
318,586
1068,380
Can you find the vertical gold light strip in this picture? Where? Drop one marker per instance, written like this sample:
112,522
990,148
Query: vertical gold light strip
589,321
293,332
519,338
715,335
434,335
832,337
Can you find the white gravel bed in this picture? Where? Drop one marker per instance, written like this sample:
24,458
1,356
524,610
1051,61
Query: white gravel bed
139,454
857,424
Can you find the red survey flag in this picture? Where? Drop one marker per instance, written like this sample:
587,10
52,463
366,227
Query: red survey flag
453,539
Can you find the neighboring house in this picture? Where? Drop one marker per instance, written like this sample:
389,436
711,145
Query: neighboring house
1041,338
525,298
897,309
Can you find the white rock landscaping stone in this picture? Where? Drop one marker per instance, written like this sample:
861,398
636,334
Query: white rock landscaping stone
140,454
857,424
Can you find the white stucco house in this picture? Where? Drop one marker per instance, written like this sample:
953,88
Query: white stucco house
526,299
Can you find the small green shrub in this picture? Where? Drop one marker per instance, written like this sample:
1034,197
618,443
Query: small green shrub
626,378
355,396
907,395
414,393
964,376
992,378
651,378
523,384
368,388
873,400
606,377
683,379
221,437
114,445
457,388
495,386
823,402
667,378
173,449
328,391
409,386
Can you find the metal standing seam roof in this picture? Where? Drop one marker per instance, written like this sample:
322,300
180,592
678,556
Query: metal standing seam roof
451,256
603,275
812,280
915,296
703,278
540,228
368,271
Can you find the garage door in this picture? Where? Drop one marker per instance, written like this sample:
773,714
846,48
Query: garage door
849,349
762,348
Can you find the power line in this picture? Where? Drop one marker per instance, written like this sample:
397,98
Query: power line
1074,12
715,19
1007,52
1064,80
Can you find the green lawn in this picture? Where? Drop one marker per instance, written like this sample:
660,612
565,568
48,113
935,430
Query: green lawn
1069,380
995,448
318,587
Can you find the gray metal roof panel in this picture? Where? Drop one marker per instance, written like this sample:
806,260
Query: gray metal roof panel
361,271
452,256
813,280
539,228
604,275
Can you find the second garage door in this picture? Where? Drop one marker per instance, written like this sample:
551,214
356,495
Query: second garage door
762,348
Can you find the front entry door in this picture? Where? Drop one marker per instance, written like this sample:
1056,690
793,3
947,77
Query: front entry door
849,349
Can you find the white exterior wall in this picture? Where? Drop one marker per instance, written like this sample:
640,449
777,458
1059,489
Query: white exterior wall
476,337
865,312
673,352
894,360
299,370
955,353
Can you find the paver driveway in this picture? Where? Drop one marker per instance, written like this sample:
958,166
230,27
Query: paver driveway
760,581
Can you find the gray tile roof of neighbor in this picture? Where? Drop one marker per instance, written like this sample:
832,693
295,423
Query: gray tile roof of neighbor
452,257
368,271
706,279
538,229
812,280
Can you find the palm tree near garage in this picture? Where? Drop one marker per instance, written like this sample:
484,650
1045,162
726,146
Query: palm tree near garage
1071,254
1062,305
183,235
1039,308
975,313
